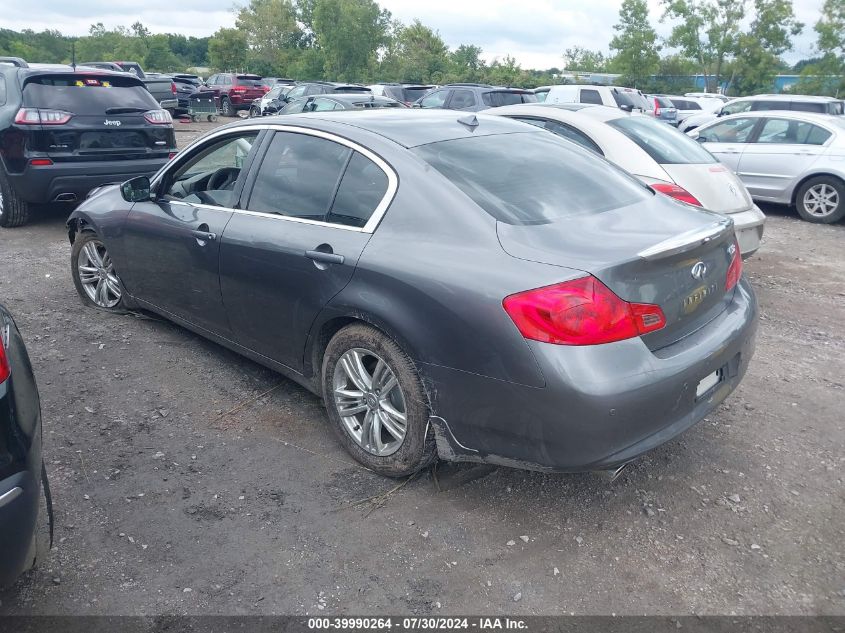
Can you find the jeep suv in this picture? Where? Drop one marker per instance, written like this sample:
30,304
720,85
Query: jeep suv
474,97
236,92
65,131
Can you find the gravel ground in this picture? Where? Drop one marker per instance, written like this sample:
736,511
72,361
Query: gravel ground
188,480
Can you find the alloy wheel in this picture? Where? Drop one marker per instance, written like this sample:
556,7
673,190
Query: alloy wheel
370,402
821,200
97,275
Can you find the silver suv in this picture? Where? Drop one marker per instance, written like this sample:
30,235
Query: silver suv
799,103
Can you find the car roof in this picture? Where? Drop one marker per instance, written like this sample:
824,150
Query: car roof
353,97
564,111
404,126
35,70
798,115
782,97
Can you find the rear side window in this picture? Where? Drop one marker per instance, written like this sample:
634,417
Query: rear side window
298,176
92,94
837,108
593,96
804,106
663,143
757,106
790,132
409,95
2,89
735,107
435,99
683,104
360,193
503,98
531,177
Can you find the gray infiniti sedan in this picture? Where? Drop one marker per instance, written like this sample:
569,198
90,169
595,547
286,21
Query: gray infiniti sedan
795,158
455,286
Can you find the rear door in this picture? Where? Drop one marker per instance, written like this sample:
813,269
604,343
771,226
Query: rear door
781,150
172,244
462,100
728,138
97,117
296,243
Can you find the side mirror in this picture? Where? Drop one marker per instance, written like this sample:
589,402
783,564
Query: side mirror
626,107
136,190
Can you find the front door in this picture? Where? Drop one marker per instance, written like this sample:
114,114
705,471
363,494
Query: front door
728,138
782,150
172,244
297,241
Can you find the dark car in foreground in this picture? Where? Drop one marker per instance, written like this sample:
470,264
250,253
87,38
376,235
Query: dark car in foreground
65,131
452,285
25,525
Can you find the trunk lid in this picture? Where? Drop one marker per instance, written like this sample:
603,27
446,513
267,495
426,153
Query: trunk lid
250,86
714,185
645,253
107,118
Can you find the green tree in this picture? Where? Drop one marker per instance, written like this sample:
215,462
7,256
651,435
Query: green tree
159,57
272,35
466,64
418,55
227,50
759,49
505,72
637,51
707,33
827,75
348,33
578,59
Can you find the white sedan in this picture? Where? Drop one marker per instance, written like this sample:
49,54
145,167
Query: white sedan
656,153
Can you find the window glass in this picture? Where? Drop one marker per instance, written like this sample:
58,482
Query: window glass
499,98
298,176
566,131
322,105
2,89
732,131
776,104
211,175
665,144
836,107
789,132
87,95
435,99
461,99
297,92
805,106
361,190
590,96
532,177
736,107
541,95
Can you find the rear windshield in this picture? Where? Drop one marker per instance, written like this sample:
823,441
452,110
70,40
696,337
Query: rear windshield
532,177
503,97
86,94
684,104
250,80
413,93
351,89
665,144
663,102
631,99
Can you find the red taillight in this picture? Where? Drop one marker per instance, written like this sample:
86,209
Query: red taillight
5,370
580,312
239,89
266,89
656,108
735,269
171,156
173,87
36,116
40,162
674,191
158,117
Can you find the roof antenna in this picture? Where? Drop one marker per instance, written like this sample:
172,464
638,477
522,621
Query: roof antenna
73,55
471,121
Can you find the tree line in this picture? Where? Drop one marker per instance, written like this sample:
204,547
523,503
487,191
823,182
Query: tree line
735,43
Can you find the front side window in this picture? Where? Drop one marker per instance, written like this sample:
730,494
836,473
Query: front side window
665,144
435,99
299,91
736,107
209,177
532,177
732,131
591,96
788,132
299,176
323,105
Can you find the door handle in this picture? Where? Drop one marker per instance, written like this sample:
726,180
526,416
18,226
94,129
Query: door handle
328,258
204,235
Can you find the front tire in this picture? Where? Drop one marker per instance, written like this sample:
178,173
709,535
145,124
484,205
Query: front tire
14,210
376,402
821,200
94,275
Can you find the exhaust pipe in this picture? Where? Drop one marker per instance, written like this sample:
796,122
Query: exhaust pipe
65,197
611,474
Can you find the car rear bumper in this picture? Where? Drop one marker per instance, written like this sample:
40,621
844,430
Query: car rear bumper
602,405
748,226
18,517
47,183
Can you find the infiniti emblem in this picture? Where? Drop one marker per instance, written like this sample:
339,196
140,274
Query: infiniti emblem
699,270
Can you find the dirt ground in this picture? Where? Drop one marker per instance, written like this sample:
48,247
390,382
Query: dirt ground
188,480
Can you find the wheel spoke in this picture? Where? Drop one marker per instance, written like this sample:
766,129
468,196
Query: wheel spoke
113,286
351,371
378,373
394,413
367,430
387,422
93,255
389,385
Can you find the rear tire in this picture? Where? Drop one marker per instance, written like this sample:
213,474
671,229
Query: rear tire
400,407
821,200
14,210
39,549
226,108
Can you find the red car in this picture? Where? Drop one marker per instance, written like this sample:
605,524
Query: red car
236,91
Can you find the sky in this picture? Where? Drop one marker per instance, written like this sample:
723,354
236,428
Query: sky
535,32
